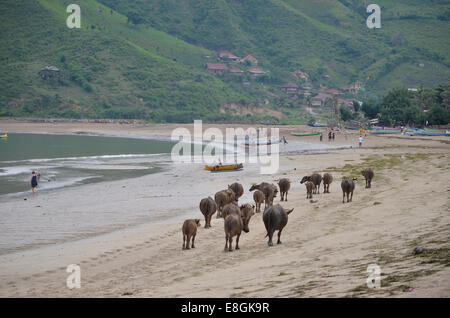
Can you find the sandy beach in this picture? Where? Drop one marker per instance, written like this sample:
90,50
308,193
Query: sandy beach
326,248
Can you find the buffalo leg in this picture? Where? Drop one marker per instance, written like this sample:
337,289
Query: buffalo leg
193,239
270,238
279,236
226,243
184,242
188,239
351,197
230,242
285,199
343,197
237,241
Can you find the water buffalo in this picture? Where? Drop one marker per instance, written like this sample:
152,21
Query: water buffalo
222,198
270,192
275,218
368,175
348,186
208,207
238,190
314,178
235,223
327,179
284,185
259,197
189,230
230,208
309,186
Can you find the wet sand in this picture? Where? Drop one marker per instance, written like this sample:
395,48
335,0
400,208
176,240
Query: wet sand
326,248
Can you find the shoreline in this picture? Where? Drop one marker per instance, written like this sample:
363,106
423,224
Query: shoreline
145,259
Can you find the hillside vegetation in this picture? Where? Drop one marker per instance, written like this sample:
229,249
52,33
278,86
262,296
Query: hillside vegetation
145,59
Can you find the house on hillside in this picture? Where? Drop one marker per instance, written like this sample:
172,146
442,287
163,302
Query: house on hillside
290,89
216,69
49,72
347,103
354,88
256,72
251,59
332,91
319,100
228,57
301,75
236,71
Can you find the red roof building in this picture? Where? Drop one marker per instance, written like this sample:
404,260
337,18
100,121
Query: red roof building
251,59
290,88
216,69
256,71
228,56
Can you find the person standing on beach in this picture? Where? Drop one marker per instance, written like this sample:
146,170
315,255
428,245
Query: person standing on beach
33,182
360,139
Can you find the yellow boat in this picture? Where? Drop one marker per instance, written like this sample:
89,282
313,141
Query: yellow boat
4,136
238,166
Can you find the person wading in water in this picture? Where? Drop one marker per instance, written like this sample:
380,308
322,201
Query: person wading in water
33,182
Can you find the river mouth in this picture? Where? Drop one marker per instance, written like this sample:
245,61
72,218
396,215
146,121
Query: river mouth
70,160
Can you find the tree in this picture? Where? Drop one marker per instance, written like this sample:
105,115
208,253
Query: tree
356,106
371,108
345,113
396,107
134,18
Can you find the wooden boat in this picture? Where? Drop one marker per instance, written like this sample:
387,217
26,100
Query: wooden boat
430,132
317,125
305,135
217,168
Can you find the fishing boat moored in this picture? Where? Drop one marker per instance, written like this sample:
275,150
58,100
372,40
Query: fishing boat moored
218,168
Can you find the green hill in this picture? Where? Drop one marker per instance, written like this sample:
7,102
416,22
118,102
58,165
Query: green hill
108,68
145,59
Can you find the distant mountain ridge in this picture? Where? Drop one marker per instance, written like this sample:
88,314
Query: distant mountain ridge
146,59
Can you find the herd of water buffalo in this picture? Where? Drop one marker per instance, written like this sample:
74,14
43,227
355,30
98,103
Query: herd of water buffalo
275,217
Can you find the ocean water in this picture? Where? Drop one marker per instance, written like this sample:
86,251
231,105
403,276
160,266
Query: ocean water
70,160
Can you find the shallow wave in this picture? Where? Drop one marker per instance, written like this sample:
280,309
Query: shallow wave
88,158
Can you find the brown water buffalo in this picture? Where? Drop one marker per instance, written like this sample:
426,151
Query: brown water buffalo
327,179
316,179
189,230
368,175
348,186
309,186
259,197
238,190
275,218
270,192
208,207
229,209
284,185
222,198
235,223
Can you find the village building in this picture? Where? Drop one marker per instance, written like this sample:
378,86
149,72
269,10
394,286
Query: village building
49,72
236,71
319,100
216,69
346,103
256,72
251,59
290,89
354,88
301,75
227,56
